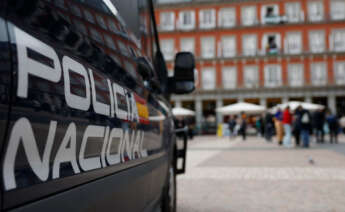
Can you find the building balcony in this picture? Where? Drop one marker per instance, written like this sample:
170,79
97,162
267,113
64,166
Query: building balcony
275,20
268,22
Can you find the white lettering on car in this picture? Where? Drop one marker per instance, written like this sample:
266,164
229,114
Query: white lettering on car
118,144
67,151
28,66
72,100
22,133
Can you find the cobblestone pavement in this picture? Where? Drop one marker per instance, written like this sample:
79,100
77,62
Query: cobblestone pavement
232,175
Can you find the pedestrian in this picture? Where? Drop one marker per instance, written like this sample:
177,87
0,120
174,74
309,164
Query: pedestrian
258,124
262,127
269,127
342,123
319,122
278,118
287,121
243,126
333,125
296,129
232,125
304,119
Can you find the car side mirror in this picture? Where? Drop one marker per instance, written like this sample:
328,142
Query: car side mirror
183,80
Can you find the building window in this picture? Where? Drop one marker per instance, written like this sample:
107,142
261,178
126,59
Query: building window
101,21
293,12
167,21
168,49
228,46
249,45
109,41
75,10
318,74
270,14
112,26
317,41
187,20
251,76
315,11
208,79
227,17
295,75
338,40
293,43
273,75
338,9
208,47
96,35
123,48
187,45
248,15
229,77
207,19
339,73
80,26
271,44
89,16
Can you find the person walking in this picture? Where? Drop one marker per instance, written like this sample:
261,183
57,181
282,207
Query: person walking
296,131
258,123
287,121
243,127
278,118
304,119
333,125
232,125
319,122
269,126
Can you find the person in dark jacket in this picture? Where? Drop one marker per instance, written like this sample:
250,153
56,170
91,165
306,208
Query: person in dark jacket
243,128
333,125
304,120
296,131
269,126
232,124
319,122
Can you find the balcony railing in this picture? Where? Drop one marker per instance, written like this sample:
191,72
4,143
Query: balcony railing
276,20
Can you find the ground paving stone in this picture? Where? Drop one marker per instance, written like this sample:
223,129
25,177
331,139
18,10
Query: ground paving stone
225,175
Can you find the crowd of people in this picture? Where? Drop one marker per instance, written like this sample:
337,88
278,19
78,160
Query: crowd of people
291,128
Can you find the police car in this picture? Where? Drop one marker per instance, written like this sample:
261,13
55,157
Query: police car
86,123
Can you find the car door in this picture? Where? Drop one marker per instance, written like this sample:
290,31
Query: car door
80,135
5,77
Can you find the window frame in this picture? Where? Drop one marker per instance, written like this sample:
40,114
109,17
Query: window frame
252,84
213,84
276,82
233,82
204,51
202,23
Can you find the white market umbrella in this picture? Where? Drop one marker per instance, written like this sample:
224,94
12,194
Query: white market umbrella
241,107
180,111
294,104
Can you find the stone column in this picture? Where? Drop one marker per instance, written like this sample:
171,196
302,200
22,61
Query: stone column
219,103
308,99
331,103
263,102
178,103
240,99
285,99
198,113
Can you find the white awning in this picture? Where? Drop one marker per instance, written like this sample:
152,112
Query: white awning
237,108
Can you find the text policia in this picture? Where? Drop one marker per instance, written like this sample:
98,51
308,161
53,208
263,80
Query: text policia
131,141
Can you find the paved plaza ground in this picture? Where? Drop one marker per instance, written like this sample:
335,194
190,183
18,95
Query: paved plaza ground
232,175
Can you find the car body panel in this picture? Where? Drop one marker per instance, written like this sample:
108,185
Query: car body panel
81,114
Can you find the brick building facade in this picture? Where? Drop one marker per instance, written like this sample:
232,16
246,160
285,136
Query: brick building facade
260,51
